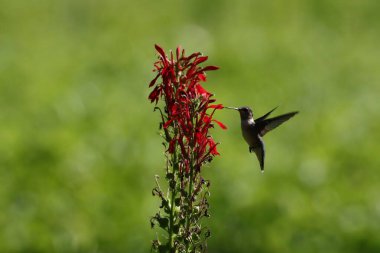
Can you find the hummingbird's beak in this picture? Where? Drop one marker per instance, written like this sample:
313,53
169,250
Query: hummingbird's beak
234,108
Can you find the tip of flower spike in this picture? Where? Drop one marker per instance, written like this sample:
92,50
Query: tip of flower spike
160,50
178,52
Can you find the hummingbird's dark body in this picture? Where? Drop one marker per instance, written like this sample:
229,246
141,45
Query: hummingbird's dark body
254,130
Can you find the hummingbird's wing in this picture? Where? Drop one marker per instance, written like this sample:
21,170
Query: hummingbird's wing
260,153
269,124
266,115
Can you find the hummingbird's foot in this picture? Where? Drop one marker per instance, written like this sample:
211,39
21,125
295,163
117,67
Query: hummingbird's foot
251,149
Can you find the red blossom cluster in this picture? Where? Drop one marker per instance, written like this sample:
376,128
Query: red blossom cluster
189,108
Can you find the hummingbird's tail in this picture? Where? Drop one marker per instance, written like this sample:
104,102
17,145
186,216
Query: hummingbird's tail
260,153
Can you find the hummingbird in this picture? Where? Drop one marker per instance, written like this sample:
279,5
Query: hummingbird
254,130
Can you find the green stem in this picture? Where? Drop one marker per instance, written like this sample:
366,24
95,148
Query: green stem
190,203
172,204
171,221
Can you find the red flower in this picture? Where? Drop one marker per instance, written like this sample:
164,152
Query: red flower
220,124
186,104
200,90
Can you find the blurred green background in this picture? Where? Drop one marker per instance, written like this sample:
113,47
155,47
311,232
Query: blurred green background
79,144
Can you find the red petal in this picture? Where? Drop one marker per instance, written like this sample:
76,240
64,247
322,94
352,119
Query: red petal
199,138
172,146
202,90
190,72
154,94
220,124
212,146
160,51
178,51
200,60
202,77
154,81
214,151
210,68
192,56
167,123
206,119
218,106
173,109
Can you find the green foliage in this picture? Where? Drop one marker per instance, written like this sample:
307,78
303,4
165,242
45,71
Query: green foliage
79,144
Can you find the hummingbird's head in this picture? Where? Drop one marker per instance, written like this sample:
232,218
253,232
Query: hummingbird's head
245,112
